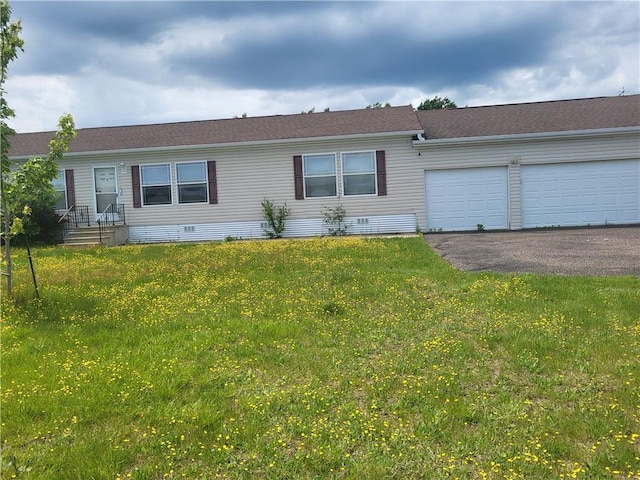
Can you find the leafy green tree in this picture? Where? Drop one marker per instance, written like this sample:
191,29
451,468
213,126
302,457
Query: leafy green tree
437,103
10,44
29,183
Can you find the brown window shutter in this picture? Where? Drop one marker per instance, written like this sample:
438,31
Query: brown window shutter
213,182
71,189
135,185
297,177
381,170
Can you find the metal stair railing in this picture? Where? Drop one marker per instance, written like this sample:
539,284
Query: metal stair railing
112,215
74,215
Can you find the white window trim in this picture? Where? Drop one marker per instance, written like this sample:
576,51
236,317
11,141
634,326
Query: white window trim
171,183
206,183
375,174
336,174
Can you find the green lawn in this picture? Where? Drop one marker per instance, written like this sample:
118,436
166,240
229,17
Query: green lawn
327,358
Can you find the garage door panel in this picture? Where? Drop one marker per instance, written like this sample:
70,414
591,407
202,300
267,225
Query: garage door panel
576,194
461,199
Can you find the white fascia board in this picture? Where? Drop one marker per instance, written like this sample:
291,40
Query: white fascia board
523,137
174,148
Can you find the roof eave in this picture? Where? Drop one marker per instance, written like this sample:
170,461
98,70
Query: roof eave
521,137
253,143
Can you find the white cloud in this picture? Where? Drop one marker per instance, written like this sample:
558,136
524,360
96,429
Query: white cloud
39,101
119,70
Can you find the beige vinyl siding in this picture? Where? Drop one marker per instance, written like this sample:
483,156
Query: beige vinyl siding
248,174
610,147
83,181
515,194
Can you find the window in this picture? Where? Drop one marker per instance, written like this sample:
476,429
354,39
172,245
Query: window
60,186
319,172
192,182
359,173
156,184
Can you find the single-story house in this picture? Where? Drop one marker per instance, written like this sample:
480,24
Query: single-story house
393,170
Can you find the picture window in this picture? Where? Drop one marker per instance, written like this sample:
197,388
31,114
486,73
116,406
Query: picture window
359,173
320,175
192,182
156,184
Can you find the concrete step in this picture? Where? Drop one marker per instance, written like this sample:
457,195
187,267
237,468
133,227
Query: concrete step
81,244
88,234
85,236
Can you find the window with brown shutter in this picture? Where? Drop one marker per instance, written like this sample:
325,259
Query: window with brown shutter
135,185
70,186
298,180
381,172
213,182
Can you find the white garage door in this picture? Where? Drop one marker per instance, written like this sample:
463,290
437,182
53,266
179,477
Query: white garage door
467,199
579,194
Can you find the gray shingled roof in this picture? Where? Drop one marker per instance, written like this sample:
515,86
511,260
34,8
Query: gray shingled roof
556,116
229,131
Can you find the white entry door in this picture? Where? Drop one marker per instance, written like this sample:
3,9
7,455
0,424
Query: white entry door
467,199
106,189
581,194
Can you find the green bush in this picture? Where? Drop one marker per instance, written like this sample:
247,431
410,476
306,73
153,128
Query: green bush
276,216
333,218
42,226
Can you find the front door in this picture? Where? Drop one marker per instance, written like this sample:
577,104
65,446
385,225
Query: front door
106,190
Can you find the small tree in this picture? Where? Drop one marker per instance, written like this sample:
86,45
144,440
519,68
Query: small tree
10,44
334,218
29,182
437,103
276,216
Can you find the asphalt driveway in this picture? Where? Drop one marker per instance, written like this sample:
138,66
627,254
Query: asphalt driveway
590,251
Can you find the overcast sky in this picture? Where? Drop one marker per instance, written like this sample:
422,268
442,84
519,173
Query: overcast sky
123,63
